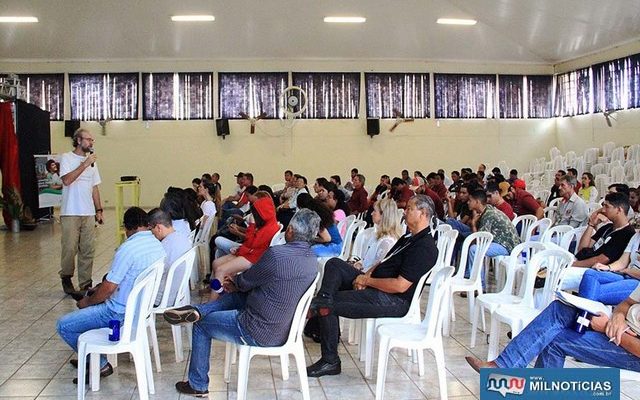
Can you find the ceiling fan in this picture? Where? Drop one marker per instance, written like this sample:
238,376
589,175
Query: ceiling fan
253,121
399,119
608,116
103,124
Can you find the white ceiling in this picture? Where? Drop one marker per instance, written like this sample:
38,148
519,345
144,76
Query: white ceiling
508,31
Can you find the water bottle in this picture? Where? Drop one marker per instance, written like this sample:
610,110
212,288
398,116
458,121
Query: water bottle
216,286
114,330
583,320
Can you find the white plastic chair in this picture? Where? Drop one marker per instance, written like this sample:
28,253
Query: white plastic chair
550,212
426,335
133,338
176,294
276,187
555,234
372,324
294,345
202,242
540,226
469,285
597,169
525,222
519,315
348,238
544,195
555,202
573,235
554,152
345,223
617,154
278,239
570,158
607,149
617,174
491,301
362,241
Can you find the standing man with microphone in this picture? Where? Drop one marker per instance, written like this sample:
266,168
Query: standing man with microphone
81,208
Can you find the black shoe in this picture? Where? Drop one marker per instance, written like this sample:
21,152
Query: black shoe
67,285
322,368
104,372
185,388
182,315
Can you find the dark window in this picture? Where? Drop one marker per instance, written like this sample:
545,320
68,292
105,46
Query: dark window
329,95
572,93
405,92
539,95
511,95
181,95
465,95
98,97
616,84
45,91
251,94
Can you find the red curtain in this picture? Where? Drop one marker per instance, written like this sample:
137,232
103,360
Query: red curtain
8,156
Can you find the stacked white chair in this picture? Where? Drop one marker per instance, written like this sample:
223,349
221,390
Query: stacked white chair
607,149
602,183
425,335
133,337
598,169
617,154
617,174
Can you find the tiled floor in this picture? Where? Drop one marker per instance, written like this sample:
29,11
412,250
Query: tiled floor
34,361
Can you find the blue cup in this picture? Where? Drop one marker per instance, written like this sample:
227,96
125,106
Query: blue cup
114,330
216,286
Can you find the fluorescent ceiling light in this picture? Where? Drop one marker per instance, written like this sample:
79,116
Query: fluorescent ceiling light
193,18
18,19
456,21
345,20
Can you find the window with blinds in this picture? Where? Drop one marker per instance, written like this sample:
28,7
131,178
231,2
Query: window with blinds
408,93
177,96
330,95
251,93
99,97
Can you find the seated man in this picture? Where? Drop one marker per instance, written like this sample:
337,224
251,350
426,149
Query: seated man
459,215
522,201
174,243
359,201
572,210
555,189
109,298
259,304
551,337
603,245
385,290
488,219
495,194
401,192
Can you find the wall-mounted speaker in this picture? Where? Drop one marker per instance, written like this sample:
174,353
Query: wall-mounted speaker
70,127
373,127
222,127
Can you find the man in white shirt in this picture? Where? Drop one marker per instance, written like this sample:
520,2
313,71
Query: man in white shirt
81,208
572,210
175,244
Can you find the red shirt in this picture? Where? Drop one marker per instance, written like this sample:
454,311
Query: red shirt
441,190
403,196
437,202
359,201
506,209
524,203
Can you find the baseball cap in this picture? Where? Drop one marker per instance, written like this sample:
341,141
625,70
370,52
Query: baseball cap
519,184
239,175
504,188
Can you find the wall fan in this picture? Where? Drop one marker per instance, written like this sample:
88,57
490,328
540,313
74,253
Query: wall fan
399,119
608,116
253,121
293,102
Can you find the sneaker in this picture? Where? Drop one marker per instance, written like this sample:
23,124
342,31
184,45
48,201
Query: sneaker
104,372
182,315
185,388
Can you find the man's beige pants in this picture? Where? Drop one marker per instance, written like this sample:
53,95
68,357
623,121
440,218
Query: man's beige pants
78,233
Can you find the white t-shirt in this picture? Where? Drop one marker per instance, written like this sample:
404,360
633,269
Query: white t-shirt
632,249
77,198
208,208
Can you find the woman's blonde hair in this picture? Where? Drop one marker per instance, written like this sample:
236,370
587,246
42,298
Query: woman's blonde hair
390,219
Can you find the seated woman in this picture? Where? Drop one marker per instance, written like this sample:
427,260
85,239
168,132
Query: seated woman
388,230
208,191
336,202
329,239
588,191
612,283
257,239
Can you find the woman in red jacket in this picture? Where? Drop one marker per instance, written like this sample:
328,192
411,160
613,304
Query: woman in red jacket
257,240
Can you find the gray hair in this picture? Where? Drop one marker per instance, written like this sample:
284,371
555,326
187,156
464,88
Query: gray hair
157,216
424,202
571,180
77,135
305,225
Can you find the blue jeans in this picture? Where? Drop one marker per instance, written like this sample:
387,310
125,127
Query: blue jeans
459,226
74,324
551,337
494,250
606,287
327,250
218,320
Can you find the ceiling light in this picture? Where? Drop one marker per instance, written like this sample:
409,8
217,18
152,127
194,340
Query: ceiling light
18,19
456,21
345,20
193,18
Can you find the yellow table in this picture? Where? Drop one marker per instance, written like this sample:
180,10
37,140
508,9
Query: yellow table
134,188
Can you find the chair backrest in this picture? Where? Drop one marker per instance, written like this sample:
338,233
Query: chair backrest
347,240
524,221
345,223
482,241
362,241
555,261
544,195
139,302
203,234
555,202
438,293
520,254
555,234
176,286
617,174
446,244
277,187
550,212
539,226
607,148
597,169
554,152
440,228
617,154
633,152
278,239
570,157
558,163
602,182
298,321
573,235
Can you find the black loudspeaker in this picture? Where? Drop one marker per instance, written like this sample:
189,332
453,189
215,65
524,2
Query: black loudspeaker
70,127
222,127
373,126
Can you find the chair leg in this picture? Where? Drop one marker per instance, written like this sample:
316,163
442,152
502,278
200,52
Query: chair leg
383,358
82,369
302,371
362,346
177,342
438,352
227,361
484,322
148,369
472,301
154,341
243,372
141,374
420,353
284,365
94,371
474,324
370,344
494,341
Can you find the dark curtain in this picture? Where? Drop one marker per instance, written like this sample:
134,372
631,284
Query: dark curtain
405,92
97,97
329,95
616,84
539,95
465,95
633,76
47,92
583,87
572,95
9,159
251,93
511,97
174,96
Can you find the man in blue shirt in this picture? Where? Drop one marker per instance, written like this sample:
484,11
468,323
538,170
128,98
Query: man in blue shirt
109,298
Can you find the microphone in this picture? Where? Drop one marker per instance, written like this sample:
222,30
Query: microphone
91,152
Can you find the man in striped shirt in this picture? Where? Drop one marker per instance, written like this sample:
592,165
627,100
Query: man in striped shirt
258,307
